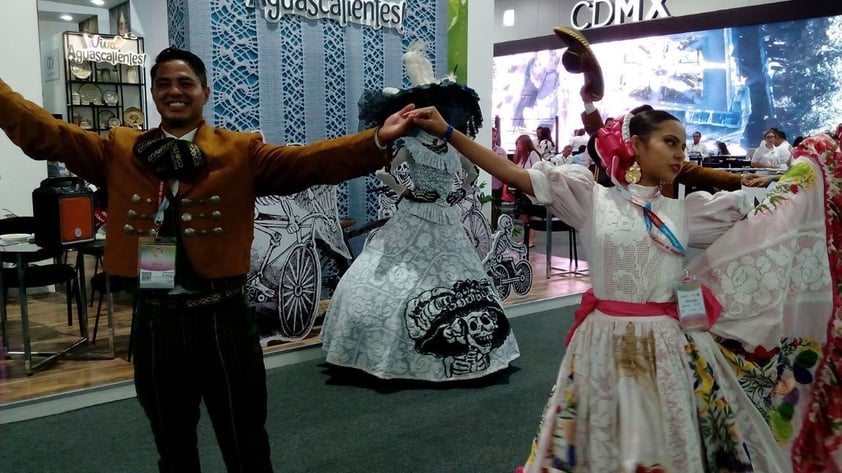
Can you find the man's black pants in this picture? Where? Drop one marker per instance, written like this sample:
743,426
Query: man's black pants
187,354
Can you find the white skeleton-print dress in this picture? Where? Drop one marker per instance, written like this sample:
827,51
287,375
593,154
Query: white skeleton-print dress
417,303
637,394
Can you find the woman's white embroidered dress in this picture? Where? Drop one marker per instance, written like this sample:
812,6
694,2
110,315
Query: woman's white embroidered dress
627,396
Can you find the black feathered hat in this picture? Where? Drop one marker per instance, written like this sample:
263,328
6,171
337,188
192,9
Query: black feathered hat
457,104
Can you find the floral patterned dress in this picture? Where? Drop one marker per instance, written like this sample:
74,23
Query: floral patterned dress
637,394
417,303
781,327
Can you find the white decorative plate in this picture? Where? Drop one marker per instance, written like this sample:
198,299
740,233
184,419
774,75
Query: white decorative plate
110,97
89,93
114,122
15,237
105,117
133,116
81,70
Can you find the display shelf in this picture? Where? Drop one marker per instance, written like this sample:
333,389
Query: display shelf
105,73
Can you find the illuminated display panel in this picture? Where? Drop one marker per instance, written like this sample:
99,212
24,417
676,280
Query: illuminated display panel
730,84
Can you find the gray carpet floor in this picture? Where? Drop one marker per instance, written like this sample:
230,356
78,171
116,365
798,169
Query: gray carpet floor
323,420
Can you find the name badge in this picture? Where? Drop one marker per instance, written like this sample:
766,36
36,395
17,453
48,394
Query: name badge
156,263
691,306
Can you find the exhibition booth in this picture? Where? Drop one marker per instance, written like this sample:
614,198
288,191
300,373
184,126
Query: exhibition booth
729,69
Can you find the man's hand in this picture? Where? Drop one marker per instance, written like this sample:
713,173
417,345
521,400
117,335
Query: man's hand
396,126
429,119
753,180
587,96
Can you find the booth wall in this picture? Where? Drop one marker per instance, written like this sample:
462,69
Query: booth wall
20,67
299,80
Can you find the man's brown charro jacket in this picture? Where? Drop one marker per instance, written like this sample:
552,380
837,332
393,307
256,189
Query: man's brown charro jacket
240,167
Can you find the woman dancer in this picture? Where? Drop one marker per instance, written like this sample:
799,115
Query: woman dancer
417,303
638,391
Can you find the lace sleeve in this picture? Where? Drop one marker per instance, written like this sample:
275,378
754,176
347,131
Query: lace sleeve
566,189
709,216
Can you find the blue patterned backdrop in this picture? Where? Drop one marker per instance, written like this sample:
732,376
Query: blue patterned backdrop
299,80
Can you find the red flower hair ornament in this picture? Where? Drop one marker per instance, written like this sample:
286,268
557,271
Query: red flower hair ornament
613,143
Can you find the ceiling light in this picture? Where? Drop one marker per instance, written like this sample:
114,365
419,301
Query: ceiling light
98,3
509,18
66,17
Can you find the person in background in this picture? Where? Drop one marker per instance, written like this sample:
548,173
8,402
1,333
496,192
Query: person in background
496,184
722,149
581,157
580,138
768,155
696,149
783,146
635,382
194,333
526,156
564,156
545,145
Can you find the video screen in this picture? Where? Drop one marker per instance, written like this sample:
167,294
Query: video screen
729,84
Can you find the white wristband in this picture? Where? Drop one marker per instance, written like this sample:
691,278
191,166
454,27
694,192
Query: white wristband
377,143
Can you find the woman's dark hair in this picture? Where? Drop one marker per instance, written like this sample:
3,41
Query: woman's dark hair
644,121
647,120
544,134
522,157
175,54
799,139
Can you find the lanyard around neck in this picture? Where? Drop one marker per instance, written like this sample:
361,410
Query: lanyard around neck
658,230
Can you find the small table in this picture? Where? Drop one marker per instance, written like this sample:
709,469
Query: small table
19,250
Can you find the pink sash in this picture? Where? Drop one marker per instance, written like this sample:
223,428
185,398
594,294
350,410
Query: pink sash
638,309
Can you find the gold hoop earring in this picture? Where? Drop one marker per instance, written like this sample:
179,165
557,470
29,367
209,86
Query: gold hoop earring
633,173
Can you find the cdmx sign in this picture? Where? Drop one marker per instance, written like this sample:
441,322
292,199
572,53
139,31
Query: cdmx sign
598,13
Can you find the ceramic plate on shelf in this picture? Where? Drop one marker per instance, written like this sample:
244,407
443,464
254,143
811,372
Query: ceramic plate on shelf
80,70
89,93
114,122
110,97
10,238
105,117
133,116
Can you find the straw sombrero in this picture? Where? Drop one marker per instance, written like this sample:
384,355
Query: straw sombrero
579,58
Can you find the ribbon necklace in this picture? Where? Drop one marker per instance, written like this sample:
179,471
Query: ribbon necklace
658,230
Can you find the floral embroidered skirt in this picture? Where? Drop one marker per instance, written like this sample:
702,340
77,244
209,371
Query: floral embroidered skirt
636,394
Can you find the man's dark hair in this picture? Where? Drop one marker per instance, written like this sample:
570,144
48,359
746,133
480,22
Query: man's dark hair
175,54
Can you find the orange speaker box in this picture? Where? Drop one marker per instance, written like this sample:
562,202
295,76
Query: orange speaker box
64,210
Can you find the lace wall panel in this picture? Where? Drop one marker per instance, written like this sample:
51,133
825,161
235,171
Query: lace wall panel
235,66
198,39
373,68
300,80
176,27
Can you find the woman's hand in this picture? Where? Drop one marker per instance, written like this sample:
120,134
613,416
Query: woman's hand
396,126
429,119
